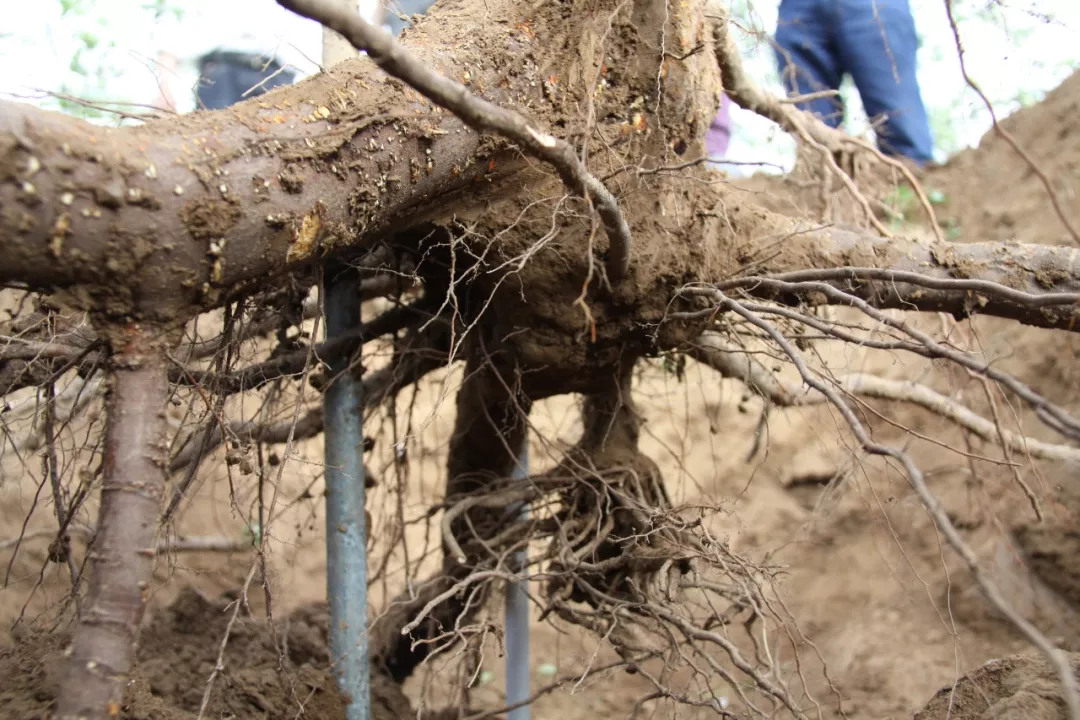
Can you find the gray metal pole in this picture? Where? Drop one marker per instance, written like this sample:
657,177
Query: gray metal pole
517,616
346,534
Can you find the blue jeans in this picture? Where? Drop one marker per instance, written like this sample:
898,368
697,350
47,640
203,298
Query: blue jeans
875,42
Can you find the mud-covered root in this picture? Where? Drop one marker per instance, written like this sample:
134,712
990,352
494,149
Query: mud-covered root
677,600
488,435
613,533
649,579
616,537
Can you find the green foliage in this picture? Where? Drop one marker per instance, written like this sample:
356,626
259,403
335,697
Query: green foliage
253,533
69,7
97,49
952,229
674,365
160,8
903,205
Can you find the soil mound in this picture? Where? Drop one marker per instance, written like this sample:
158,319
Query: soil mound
178,651
1019,687
991,193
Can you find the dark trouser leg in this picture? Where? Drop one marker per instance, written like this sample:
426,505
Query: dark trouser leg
222,84
878,44
807,56
217,87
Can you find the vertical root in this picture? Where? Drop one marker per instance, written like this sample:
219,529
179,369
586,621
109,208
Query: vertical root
487,439
488,435
122,557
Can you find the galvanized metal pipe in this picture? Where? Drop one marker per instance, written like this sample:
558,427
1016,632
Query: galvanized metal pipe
346,532
517,616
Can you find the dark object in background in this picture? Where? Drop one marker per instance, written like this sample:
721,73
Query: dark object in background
224,77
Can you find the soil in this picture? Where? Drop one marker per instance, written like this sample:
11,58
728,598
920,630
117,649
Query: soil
1020,687
993,194
179,650
892,614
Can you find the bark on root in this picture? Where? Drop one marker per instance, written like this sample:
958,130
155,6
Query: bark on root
122,557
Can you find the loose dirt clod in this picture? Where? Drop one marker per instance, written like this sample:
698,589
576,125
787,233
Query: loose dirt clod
1019,687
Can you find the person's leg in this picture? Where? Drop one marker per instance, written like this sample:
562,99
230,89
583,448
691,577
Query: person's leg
217,86
807,57
222,83
263,81
878,46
